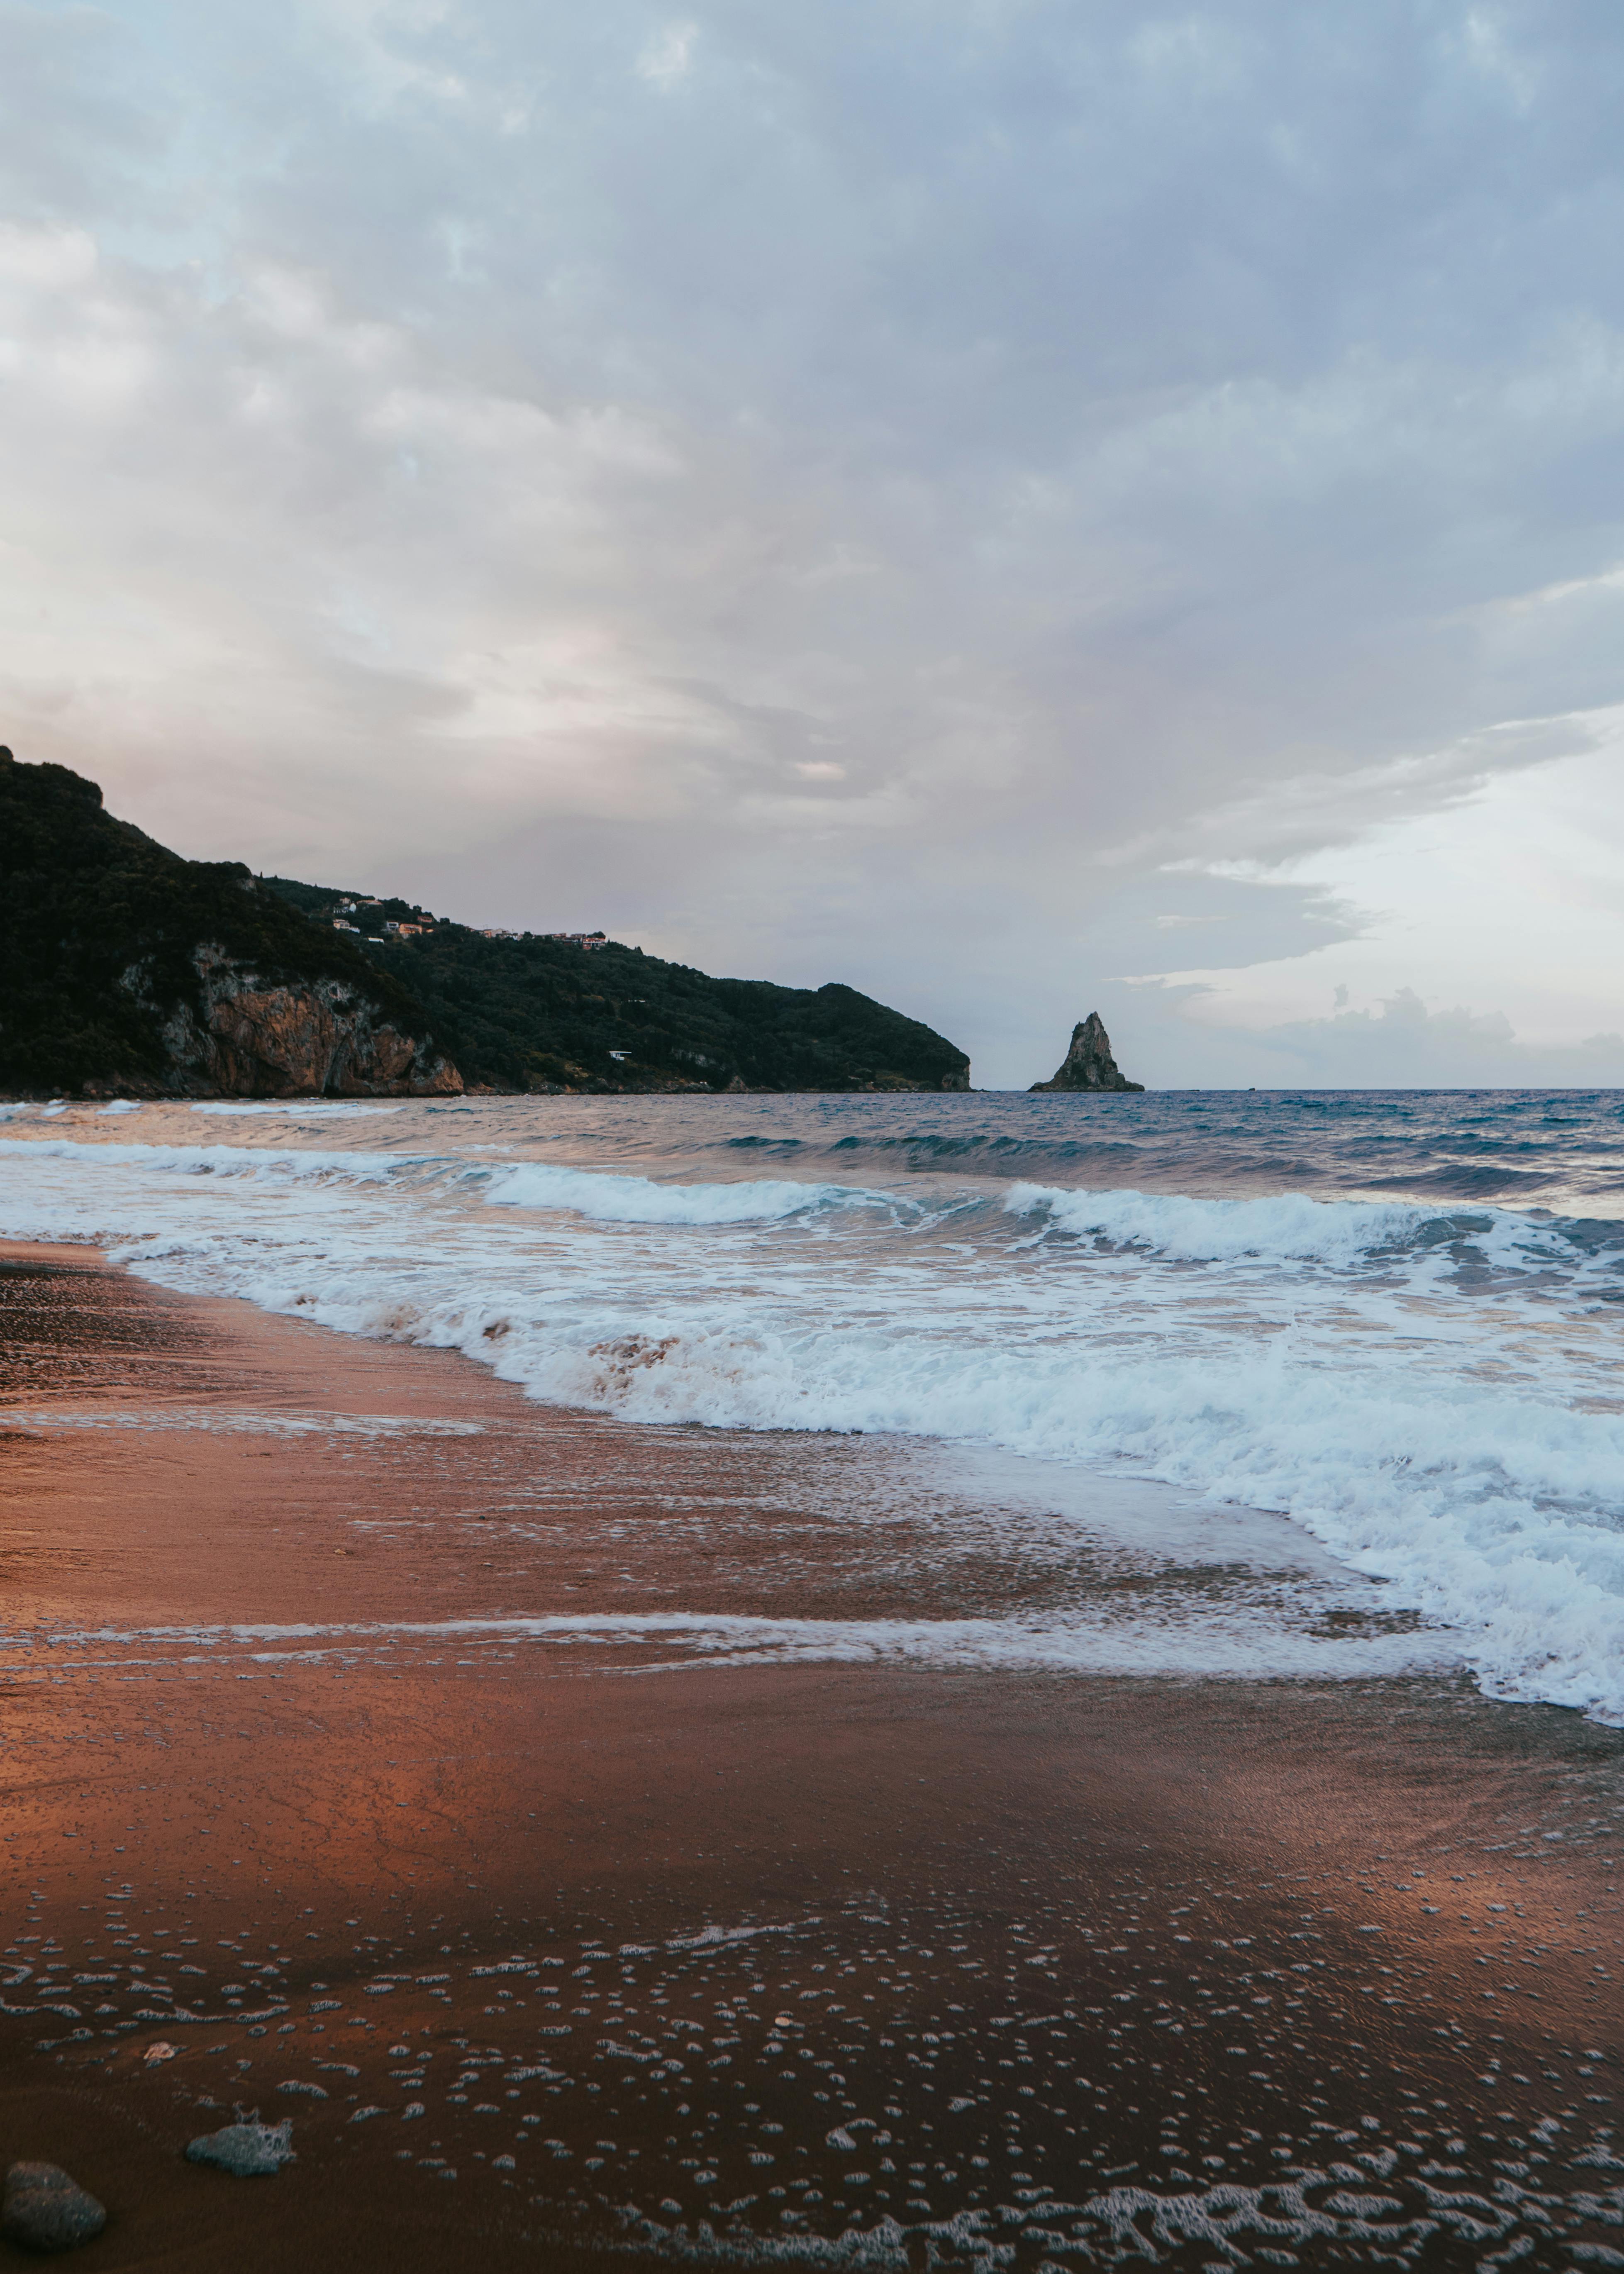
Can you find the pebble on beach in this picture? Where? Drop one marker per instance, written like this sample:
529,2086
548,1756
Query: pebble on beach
247,2148
46,2210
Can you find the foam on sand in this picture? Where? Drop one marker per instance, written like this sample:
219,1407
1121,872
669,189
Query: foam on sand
1227,1646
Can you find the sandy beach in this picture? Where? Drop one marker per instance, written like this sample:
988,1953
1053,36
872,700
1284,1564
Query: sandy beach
326,1797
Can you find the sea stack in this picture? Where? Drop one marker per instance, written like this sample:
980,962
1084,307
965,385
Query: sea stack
1088,1064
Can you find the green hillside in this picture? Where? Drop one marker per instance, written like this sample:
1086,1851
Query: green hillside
124,967
534,1012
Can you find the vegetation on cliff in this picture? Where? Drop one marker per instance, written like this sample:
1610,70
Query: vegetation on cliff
104,978
537,1013
124,967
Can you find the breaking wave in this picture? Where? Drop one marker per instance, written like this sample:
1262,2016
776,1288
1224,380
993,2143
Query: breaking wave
1431,1388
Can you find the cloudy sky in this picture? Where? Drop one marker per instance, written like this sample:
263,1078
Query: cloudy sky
1020,507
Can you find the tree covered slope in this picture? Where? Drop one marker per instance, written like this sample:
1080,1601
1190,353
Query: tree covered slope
123,966
535,1013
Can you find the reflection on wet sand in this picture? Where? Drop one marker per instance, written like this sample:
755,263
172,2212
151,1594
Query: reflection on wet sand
554,1937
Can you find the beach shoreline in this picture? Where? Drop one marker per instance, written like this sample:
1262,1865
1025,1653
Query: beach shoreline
262,1694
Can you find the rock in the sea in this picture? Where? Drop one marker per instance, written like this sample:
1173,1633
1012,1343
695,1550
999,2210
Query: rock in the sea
45,2209
1088,1064
247,2148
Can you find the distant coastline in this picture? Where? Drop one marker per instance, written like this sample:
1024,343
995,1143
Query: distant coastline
125,970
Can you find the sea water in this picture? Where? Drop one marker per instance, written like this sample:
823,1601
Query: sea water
1390,1321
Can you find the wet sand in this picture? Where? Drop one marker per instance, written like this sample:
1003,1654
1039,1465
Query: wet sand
550,1940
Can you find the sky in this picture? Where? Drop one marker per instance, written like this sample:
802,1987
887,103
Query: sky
1021,507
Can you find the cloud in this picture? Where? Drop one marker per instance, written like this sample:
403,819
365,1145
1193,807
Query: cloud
668,57
940,502
1404,1043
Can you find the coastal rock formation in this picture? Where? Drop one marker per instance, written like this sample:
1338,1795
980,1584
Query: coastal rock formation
323,1040
124,967
1088,1064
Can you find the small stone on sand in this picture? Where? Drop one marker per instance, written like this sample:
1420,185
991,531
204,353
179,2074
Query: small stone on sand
45,2209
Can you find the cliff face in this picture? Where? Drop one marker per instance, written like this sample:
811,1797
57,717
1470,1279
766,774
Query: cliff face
1088,1064
124,967
322,1040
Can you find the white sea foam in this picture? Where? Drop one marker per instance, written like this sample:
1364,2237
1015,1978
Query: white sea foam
1432,1395
1281,1228
1230,1645
307,1108
233,1421
612,1199
277,1163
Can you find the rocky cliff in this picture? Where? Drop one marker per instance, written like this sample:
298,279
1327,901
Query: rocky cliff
1088,1064
245,1039
124,967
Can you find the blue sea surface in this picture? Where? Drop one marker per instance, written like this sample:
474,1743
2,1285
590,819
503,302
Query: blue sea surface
1557,1149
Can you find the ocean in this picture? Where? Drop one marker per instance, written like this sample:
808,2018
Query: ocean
1342,1370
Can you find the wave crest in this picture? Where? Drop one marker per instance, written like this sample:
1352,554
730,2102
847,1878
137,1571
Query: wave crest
1283,1227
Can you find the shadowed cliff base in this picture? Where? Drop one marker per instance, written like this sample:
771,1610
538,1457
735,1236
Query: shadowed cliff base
555,1949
